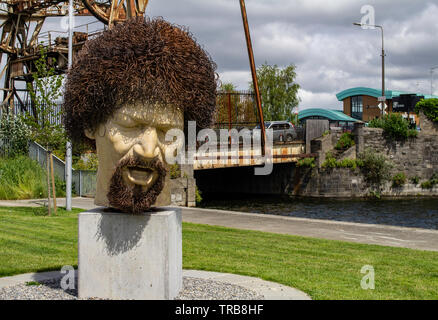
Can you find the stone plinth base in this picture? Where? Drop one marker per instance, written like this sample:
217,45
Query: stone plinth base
124,256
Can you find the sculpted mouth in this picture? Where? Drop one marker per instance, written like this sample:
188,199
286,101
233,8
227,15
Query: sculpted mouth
139,175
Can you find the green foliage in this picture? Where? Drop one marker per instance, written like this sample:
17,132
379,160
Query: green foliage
375,194
326,133
228,87
90,164
434,178
15,131
278,91
430,183
345,142
426,185
394,126
375,166
429,108
377,123
44,92
175,171
23,178
415,180
306,162
331,162
350,163
198,196
399,180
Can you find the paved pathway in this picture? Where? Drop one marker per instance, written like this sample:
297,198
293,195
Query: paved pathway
423,239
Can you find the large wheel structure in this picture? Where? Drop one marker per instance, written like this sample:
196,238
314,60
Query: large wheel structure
115,11
20,38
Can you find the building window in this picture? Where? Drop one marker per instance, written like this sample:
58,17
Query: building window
356,107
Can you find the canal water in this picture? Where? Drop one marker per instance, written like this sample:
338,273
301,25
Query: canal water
414,213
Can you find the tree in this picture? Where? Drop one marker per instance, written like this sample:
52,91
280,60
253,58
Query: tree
278,91
44,127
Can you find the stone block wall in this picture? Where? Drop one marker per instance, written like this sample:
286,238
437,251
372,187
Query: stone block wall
183,189
414,157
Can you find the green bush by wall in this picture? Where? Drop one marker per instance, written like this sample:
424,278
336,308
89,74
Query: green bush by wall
394,126
429,108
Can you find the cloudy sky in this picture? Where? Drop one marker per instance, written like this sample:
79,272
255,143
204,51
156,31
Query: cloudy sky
318,37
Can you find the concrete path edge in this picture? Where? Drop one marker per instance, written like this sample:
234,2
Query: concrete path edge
269,290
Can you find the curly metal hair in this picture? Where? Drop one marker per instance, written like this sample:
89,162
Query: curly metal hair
148,60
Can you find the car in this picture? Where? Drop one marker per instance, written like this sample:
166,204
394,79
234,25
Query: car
282,131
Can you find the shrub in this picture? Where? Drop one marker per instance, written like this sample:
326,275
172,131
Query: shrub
306,162
375,166
349,163
394,126
17,134
345,142
198,197
376,123
434,179
331,162
415,180
175,171
399,180
426,185
429,108
90,164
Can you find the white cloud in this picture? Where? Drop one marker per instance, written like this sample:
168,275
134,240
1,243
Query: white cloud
315,35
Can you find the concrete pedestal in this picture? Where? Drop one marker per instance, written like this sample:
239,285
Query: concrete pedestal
124,256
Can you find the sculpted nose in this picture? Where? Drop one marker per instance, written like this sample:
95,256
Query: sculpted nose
146,146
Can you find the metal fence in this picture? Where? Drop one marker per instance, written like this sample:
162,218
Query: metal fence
55,116
83,181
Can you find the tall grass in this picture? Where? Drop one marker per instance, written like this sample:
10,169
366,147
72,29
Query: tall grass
23,178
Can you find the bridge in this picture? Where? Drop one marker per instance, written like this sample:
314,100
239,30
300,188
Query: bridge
249,156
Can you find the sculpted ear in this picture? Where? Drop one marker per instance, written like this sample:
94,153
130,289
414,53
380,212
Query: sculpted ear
90,134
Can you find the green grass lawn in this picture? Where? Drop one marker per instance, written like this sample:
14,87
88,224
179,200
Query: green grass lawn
324,269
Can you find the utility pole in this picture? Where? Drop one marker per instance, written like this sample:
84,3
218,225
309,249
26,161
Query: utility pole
68,156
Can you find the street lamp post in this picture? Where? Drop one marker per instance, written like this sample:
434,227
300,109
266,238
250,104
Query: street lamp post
383,59
68,156
431,79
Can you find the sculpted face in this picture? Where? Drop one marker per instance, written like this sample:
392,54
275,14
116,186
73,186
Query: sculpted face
131,147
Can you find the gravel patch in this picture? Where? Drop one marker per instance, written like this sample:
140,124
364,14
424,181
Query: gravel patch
193,289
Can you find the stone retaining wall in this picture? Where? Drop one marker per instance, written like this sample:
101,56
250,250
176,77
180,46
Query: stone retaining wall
415,157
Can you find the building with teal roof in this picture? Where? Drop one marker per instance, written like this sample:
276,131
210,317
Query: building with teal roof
336,118
362,103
